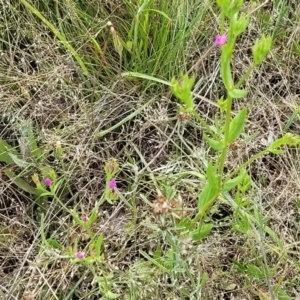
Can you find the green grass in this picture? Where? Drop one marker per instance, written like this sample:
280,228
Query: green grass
104,94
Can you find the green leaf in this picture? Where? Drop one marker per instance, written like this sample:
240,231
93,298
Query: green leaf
201,232
242,224
216,145
129,45
92,218
232,183
261,49
155,262
145,76
157,253
170,259
20,182
245,184
54,243
287,139
222,104
204,279
236,93
274,236
99,244
184,225
276,144
207,197
240,268
57,185
239,25
230,7
89,260
282,295
254,271
274,151
212,175
19,162
210,191
34,149
182,87
225,68
237,125
111,295
5,150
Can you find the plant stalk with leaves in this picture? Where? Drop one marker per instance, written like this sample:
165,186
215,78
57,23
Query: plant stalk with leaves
231,128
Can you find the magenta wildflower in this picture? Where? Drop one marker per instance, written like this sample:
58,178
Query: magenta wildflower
80,255
84,218
112,184
221,40
48,182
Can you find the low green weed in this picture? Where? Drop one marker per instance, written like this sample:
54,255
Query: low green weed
221,136
227,130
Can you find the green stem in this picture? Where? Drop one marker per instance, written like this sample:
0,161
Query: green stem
74,215
60,159
205,125
222,22
197,218
245,76
247,163
201,213
226,137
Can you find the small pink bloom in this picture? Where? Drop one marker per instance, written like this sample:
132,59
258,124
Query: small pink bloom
112,184
80,255
220,40
84,218
48,182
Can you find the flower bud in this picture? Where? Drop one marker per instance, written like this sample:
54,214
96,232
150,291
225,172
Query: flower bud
182,90
220,40
80,255
261,49
58,149
48,182
239,25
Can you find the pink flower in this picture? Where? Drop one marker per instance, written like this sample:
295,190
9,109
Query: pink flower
80,255
112,184
84,218
48,182
221,40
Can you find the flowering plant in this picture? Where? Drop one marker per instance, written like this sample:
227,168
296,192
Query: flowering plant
228,130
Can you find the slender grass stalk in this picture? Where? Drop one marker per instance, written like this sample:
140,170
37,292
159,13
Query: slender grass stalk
245,76
247,163
60,36
123,121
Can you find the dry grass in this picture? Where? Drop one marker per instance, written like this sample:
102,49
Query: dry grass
41,84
